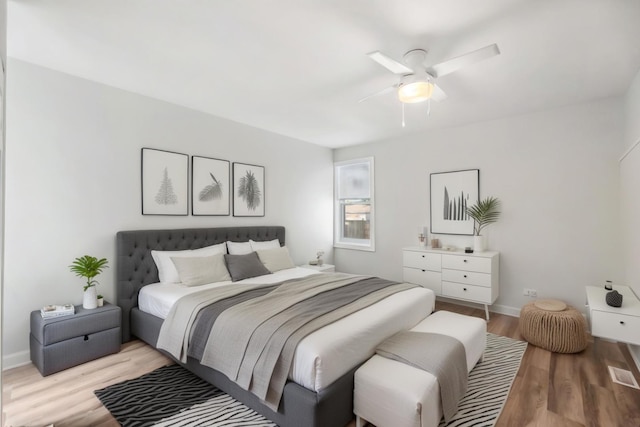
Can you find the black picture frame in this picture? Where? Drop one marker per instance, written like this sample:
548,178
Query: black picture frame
450,194
210,186
164,177
248,190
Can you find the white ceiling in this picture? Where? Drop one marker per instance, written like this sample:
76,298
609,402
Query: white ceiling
298,67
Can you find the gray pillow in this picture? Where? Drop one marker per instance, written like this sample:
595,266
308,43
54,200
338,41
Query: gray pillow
195,271
245,266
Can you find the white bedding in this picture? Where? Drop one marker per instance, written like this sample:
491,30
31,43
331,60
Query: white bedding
327,354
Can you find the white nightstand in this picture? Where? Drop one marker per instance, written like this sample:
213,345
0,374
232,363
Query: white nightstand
324,268
614,323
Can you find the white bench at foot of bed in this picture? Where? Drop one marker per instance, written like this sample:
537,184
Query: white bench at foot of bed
388,393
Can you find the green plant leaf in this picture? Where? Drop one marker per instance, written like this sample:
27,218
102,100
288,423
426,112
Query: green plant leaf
89,267
483,213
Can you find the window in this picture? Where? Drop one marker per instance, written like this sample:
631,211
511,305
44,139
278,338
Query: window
353,205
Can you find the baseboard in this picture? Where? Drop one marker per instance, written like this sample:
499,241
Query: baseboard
635,354
495,308
14,360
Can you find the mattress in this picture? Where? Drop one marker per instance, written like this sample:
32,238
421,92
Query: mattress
328,353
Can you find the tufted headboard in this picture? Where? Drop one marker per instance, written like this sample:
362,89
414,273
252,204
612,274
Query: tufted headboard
135,267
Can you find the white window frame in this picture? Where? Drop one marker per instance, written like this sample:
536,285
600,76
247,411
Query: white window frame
348,243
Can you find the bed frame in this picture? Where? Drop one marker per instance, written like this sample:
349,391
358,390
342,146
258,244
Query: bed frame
332,407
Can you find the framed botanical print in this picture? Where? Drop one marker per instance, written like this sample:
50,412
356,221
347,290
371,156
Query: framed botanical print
210,186
165,182
248,190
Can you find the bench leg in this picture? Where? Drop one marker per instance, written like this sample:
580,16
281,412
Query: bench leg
486,311
360,422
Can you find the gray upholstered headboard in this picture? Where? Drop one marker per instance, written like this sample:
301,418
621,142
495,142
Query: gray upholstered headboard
135,267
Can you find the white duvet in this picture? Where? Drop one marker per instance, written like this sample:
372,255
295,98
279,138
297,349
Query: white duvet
330,352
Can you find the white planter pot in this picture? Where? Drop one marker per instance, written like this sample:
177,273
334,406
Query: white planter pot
479,244
100,302
90,298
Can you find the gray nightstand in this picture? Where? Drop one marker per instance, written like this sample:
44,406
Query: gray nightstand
62,342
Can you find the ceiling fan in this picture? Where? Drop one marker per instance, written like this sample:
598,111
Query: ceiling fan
417,81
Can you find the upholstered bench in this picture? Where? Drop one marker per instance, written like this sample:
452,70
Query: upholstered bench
388,393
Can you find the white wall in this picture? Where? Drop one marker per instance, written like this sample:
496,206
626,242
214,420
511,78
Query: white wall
629,190
73,181
556,174
3,55
630,185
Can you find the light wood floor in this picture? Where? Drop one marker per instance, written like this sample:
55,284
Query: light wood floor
550,389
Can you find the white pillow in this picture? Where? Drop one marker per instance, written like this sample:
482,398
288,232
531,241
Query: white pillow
276,259
239,248
167,272
271,244
196,271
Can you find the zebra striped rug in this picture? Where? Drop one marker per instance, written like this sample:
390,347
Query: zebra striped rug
172,396
489,383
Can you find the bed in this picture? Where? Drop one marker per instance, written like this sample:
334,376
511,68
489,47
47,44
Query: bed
323,400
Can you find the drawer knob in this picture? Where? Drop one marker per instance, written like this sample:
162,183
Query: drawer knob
424,271
464,289
465,276
422,256
622,322
464,260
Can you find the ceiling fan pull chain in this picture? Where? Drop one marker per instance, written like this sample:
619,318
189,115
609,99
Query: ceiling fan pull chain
403,114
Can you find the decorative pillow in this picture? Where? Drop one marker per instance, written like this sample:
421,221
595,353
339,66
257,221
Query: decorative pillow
167,272
239,248
195,271
270,244
275,259
245,266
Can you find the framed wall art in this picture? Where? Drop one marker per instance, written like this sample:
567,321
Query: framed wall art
451,193
165,182
248,190
210,186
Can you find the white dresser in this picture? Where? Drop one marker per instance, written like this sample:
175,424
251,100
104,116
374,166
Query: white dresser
614,323
469,277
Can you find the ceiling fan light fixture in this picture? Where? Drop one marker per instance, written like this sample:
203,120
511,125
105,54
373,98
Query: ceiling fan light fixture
417,91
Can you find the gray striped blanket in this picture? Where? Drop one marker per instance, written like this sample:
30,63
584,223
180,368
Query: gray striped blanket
251,332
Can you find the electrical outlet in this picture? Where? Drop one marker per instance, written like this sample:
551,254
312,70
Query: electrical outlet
530,292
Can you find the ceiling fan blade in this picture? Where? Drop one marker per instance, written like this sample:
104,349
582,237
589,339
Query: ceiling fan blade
380,92
438,94
388,63
455,64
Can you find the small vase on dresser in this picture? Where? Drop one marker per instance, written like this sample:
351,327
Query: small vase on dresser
90,298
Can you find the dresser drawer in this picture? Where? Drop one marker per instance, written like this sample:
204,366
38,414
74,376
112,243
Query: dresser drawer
421,260
424,278
618,327
466,277
467,263
466,292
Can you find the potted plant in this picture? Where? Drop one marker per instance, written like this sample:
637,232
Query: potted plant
483,213
89,267
100,300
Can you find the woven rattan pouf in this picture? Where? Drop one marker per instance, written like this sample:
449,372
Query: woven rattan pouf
548,325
